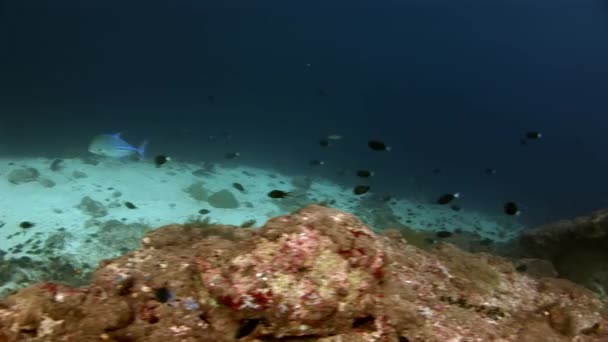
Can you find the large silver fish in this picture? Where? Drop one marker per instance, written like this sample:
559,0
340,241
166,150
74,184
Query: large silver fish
112,145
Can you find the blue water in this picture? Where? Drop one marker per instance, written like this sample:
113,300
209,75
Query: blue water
447,84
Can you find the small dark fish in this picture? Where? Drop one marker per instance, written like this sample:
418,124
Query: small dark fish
322,92
160,160
204,211
163,294
455,207
232,155
316,162
430,241
26,224
248,223
239,187
56,165
486,242
324,143
247,327
130,205
278,194
443,234
210,98
533,135
521,268
447,198
387,198
377,145
361,189
489,171
365,173
437,170
523,141
511,208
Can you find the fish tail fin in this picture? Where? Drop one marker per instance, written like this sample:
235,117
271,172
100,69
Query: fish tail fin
142,149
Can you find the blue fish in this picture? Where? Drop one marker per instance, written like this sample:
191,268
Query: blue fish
112,145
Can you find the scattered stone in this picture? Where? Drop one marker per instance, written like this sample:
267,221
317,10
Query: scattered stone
23,175
79,174
47,183
92,208
56,165
204,211
90,160
223,199
197,191
301,182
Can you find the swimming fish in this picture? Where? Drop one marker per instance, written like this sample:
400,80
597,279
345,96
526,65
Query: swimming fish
334,137
324,143
365,173
278,194
377,145
112,145
361,189
232,155
533,135
161,160
26,224
443,234
511,209
238,186
130,205
489,171
316,162
447,198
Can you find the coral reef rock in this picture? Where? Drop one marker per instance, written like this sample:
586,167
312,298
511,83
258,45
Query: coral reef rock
316,275
578,248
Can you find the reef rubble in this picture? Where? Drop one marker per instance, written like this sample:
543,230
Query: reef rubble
318,274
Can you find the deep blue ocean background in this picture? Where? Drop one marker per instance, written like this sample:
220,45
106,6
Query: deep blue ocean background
447,84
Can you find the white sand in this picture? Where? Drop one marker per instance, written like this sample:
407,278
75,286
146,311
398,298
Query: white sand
159,196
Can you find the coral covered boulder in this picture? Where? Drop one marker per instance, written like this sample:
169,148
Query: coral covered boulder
578,248
316,275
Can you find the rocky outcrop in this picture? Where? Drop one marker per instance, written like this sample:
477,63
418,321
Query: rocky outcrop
316,275
578,248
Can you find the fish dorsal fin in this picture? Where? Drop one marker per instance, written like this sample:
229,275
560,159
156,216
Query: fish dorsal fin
117,135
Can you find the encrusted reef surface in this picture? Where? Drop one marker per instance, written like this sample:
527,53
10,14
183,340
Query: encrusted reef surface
316,275
578,248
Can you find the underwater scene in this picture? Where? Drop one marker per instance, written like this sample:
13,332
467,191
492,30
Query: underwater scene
410,171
